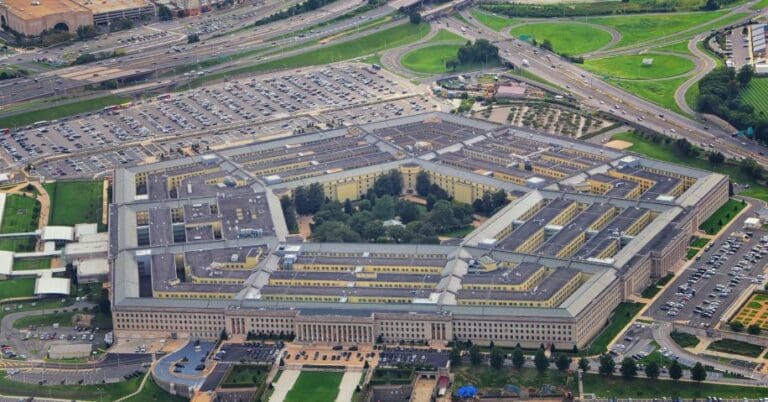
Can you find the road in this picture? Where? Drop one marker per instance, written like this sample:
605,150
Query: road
146,59
599,95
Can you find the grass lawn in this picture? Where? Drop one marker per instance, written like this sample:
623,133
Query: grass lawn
691,253
566,37
31,264
736,347
622,315
444,35
641,388
679,47
385,39
99,393
460,233
665,152
430,59
722,216
46,320
246,376
316,386
700,242
493,21
757,95
639,28
487,379
760,5
20,215
75,202
631,66
650,291
21,287
661,92
57,112
684,340
152,392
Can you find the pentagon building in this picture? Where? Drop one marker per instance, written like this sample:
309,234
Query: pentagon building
200,244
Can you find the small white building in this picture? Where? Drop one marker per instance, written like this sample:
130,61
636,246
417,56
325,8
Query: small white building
84,229
69,350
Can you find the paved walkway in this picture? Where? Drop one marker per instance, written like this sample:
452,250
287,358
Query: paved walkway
348,385
284,384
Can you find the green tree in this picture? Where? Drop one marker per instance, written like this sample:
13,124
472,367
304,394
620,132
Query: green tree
540,361
315,197
499,199
736,326
628,368
698,372
164,13
451,64
652,370
384,208
563,362
716,158
675,370
442,216
414,17
754,329
289,213
607,365
455,357
518,358
474,355
348,208
584,364
497,359
373,230
745,74
422,183
408,212
193,38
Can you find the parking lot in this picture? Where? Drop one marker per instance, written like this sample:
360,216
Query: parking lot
702,293
249,352
218,116
316,355
413,357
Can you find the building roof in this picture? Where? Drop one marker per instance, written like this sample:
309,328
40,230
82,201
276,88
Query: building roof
61,233
106,6
6,262
25,10
93,267
46,284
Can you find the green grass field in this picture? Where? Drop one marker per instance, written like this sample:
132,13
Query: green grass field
316,386
447,36
487,379
566,37
684,340
760,5
31,264
736,347
430,59
631,66
245,376
493,21
75,202
622,315
640,28
21,287
153,393
20,215
661,92
45,320
722,216
385,39
99,393
757,95
679,47
57,112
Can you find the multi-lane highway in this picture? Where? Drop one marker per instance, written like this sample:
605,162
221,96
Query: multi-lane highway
146,58
597,94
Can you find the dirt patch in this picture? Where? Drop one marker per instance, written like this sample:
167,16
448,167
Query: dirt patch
618,144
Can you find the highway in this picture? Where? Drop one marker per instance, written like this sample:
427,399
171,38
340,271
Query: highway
599,95
148,58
